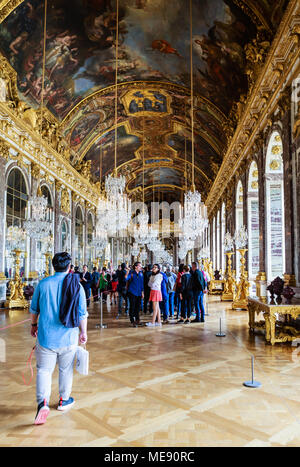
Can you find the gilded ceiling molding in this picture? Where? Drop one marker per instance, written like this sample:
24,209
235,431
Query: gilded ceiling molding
284,51
256,15
18,134
7,7
141,85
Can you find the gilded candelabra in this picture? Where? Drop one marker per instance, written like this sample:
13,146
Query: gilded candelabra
230,283
48,256
240,298
16,298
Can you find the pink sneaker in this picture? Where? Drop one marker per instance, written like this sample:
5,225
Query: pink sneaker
42,413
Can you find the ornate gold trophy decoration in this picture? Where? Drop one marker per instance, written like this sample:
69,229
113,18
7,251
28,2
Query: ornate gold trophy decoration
261,286
16,298
230,283
240,299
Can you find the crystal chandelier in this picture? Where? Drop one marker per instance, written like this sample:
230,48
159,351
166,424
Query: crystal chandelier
135,249
194,219
228,242
100,239
241,237
38,225
141,232
143,255
15,238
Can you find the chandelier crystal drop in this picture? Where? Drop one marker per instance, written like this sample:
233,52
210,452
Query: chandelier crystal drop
38,225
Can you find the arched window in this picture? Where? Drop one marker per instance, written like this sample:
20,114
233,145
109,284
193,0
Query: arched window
239,221
16,206
253,222
275,208
78,236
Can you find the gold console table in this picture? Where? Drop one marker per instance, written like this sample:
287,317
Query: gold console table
216,286
275,330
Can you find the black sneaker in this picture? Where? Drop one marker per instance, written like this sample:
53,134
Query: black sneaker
196,321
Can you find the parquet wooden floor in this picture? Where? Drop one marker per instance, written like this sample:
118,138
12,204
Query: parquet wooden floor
178,385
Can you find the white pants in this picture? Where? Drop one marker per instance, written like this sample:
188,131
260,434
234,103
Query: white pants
46,360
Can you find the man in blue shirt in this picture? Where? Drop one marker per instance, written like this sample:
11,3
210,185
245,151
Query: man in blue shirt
135,290
55,342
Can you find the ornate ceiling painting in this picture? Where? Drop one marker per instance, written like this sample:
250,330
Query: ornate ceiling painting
154,108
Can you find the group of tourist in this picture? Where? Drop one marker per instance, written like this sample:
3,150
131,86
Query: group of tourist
59,309
153,289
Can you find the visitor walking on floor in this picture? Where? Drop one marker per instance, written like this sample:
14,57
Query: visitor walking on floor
155,295
199,286
135,291
86,282
122,289
95,279
171,280
54,297
186,295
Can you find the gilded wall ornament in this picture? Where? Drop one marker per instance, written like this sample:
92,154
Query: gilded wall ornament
4,149
65,205
275,164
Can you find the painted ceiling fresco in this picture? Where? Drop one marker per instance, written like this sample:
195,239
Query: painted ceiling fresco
154,50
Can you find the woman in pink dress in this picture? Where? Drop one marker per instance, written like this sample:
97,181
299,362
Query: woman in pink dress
155,294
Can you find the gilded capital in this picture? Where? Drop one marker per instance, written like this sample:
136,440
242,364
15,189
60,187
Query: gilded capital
4,149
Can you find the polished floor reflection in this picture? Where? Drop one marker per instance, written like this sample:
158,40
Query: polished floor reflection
179,385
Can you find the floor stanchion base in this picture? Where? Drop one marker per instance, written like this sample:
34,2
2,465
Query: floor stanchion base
252,384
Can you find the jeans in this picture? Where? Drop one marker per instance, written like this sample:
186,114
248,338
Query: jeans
95,291
88,296
170,304
164,308
178,303
186,306
135,305
46,360
199,306
122,295
146,301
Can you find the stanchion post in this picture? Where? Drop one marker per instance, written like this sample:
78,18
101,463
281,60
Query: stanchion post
221,334
252,383
206,305
101,325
